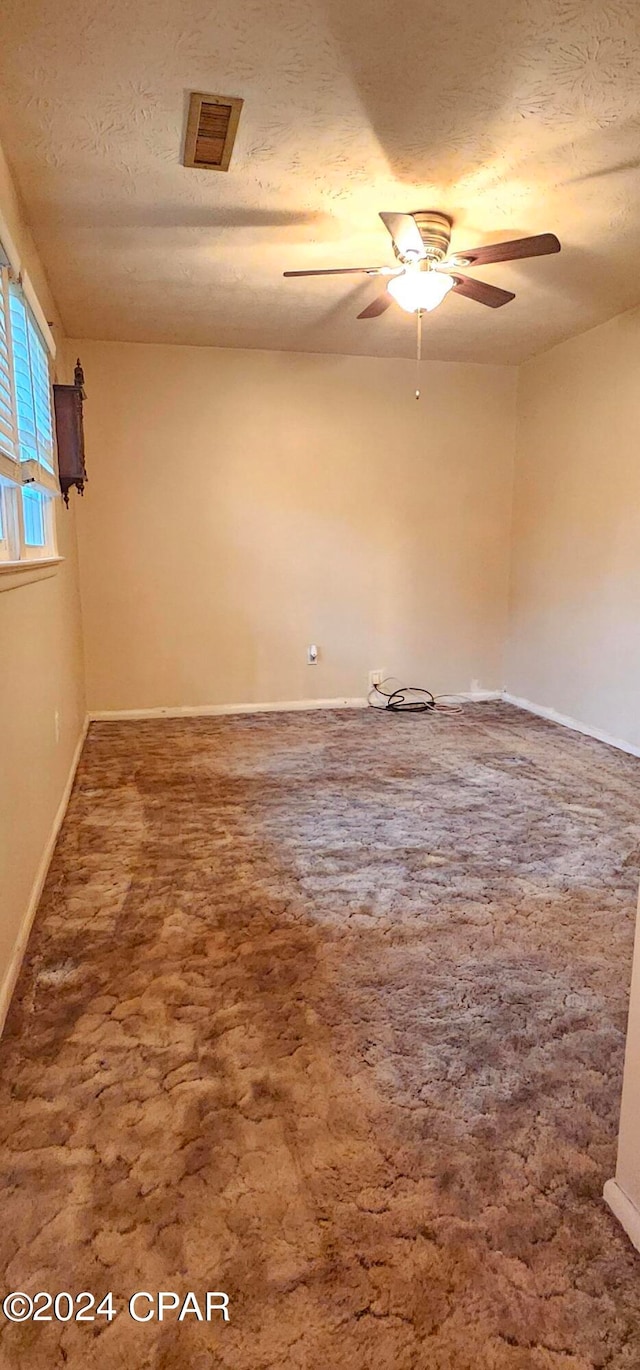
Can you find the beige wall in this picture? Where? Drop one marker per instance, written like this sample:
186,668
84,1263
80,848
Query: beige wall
41,673
574,640
245,504
575,610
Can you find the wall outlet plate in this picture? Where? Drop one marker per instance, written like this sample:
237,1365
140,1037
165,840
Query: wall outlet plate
312,654
376,678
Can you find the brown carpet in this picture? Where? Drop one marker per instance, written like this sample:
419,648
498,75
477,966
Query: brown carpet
326,1011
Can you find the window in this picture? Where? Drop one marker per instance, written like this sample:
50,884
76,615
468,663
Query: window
28,483
34,512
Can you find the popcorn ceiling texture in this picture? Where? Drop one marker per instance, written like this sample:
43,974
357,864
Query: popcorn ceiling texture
327,1011
513,117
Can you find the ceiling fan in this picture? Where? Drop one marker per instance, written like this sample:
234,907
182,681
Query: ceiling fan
426,273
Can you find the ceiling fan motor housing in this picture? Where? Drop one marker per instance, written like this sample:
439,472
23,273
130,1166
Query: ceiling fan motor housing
435,231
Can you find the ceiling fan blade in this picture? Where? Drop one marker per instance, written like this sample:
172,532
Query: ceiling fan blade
491,295
538,246
405,233
344,271
376,307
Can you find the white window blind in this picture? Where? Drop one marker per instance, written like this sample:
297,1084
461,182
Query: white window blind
8,432
41,393
32,386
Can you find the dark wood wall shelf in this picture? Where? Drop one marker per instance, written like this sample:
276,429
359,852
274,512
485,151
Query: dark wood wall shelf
67,403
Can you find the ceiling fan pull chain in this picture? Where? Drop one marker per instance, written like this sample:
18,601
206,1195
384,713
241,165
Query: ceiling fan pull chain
418,353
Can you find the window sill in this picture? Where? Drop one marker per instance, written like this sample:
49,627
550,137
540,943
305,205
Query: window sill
16,573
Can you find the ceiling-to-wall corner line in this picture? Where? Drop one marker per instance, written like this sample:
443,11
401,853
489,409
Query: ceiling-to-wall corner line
574,337
502,364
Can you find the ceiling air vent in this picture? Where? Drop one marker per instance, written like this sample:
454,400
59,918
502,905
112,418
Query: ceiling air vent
211,131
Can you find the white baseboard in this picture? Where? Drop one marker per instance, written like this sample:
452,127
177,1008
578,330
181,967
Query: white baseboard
472,696
543,712
207,710
624,1210
13,970
278,707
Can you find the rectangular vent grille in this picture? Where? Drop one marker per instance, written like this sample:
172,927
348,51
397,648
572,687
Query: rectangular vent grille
211,131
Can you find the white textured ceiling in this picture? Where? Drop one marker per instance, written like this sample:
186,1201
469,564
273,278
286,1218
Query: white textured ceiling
513,117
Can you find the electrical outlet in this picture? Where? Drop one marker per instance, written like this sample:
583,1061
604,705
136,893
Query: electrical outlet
312,654
376,678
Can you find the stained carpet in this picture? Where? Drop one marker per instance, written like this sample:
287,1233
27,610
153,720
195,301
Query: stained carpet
326,1011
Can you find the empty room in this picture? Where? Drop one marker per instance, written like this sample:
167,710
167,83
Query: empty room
319,685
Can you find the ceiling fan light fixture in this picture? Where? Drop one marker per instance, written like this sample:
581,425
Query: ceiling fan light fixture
420,289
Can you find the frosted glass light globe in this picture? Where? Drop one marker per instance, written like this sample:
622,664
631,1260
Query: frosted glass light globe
420,289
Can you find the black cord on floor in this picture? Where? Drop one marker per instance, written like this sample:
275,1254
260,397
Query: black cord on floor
410,699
